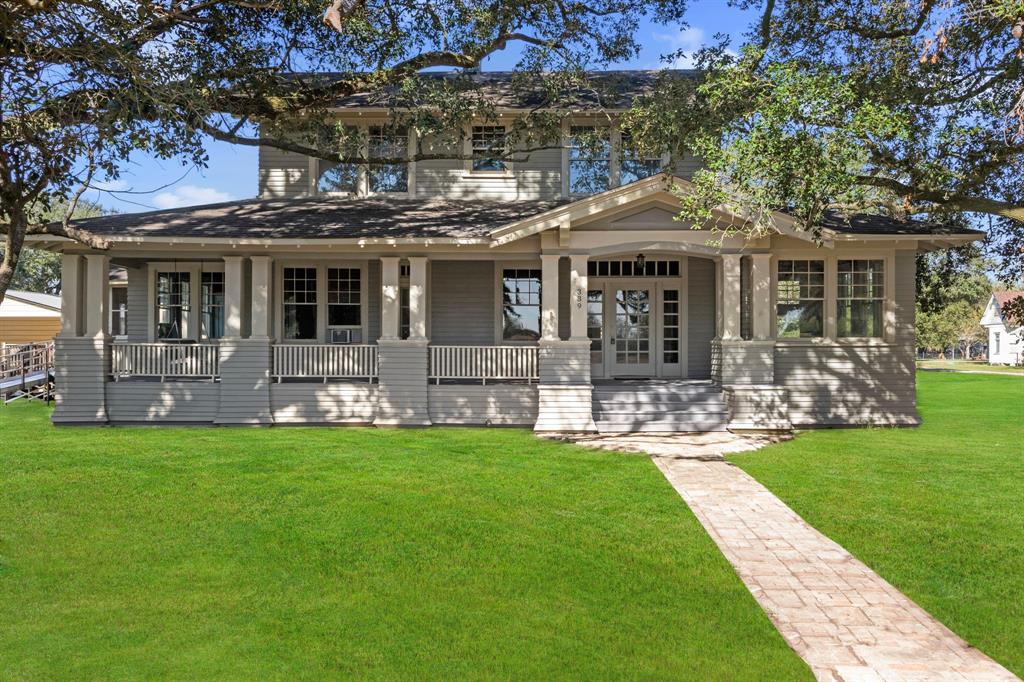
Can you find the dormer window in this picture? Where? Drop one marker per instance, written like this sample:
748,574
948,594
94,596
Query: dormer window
634,165
488,145
590,155
388,143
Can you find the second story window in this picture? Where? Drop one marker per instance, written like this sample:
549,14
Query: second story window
342,177
589,160
388,143
636,165
488,144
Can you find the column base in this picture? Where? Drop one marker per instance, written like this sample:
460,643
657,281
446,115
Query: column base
245,376
402,399
81,370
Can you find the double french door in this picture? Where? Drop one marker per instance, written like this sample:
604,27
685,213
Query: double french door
634,329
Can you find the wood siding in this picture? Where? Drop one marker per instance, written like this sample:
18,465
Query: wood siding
700,307
282,175
462,302
172,401
332,403
137,322
28,329
499,404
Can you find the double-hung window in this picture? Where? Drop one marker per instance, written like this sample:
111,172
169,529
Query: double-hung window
860,298
800,299
173,305
388,143
212,298
344,297
635,165
589,160
520,290
300,303
342,177
488,146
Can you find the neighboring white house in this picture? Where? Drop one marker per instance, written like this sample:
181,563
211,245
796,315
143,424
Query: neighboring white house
1005,341
557,291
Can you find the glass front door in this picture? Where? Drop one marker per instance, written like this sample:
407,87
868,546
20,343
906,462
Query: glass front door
632,341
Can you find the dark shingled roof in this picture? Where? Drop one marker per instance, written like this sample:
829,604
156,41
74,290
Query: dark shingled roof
862,223
322,218
608,89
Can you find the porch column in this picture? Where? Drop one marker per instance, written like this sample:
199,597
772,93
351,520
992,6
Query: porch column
246,364
70,294
761,295
403,365
390,311
417,298
578,298
82,363
549,297
731,297
233,270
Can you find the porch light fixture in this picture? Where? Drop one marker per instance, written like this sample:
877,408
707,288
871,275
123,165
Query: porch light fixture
639,263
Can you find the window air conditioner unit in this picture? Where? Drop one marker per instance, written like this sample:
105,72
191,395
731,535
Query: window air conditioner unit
344,336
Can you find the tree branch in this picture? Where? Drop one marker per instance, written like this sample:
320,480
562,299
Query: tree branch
947,200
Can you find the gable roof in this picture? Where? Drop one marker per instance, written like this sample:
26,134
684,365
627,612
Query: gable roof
1004,297
613,89
32,298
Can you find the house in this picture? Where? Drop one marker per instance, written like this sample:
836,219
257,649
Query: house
28,317
1005,339
557,291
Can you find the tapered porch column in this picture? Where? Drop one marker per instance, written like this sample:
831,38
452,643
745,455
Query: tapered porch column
82,363
402,365
761,295
564,390
731,297
246,364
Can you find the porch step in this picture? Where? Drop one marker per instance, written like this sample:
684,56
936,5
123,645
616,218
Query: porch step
638,406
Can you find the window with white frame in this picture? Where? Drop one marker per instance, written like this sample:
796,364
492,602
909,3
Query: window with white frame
344,297
633,164
404,309
388,143
595,325
300,303
520,291
173,305
342,177
670,326
997,344
212,305
860,298
488,147
800,299
589,160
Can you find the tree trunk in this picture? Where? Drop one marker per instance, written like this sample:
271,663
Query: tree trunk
14,240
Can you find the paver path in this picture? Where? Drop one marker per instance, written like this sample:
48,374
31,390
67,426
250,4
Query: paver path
839,615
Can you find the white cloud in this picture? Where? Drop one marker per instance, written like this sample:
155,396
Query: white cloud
686,43
118,185
189,195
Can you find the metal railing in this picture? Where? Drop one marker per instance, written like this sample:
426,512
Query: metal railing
325,361
165,360
484,363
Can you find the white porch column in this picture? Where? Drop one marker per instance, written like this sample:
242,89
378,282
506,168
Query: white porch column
730,296
97,294
578,297
549,297
70,293
417,298
262,281
390,309
233,296
761,295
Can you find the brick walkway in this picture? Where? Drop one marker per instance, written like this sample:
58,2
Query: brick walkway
840,616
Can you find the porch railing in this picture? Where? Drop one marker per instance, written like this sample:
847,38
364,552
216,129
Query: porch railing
325,361
164,360
21,360
484,363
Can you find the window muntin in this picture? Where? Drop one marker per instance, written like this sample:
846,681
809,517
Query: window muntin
634,165
860,298
595,325
800,299
632,326
300,303
629,268
344,297
119,311
670,326
589,160
388,143
520,304
998,339
173,305
212,305
488,142
342,177
746,299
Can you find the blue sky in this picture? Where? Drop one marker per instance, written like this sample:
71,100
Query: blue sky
232,170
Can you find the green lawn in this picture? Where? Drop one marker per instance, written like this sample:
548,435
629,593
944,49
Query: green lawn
308,553
968,366
937,510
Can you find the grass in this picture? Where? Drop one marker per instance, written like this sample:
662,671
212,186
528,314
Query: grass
968,366
311,553
937,510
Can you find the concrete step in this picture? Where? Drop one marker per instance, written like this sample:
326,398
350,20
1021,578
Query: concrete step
660,426
658,406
